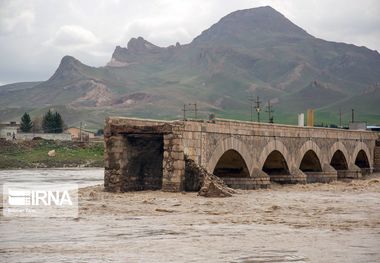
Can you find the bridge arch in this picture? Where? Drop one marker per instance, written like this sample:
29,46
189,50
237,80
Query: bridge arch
362,158
310,162
361,147
231,164
274,145
307,146
230,149
338,146
276,167
274,161
339,161
339,158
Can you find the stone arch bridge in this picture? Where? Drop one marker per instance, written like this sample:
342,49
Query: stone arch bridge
148,154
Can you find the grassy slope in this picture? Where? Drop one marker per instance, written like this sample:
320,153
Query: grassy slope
33,154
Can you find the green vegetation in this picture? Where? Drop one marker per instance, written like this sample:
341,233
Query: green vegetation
52,122
34,154
26,124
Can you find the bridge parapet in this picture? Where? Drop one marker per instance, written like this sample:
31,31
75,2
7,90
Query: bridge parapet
246,154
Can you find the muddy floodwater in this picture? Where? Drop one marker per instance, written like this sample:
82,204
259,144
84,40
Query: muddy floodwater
337,222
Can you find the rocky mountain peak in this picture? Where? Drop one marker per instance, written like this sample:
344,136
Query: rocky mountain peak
136,49
140,45
69,61
257,23
68,68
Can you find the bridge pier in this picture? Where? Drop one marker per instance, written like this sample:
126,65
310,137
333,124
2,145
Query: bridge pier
327,175
376,161
173,163
297,176
353,172
293,176
112,173
257,180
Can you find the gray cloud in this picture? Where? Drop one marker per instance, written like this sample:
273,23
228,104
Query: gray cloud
72,37
35,34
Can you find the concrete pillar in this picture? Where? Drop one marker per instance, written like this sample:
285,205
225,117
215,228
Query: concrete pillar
301,120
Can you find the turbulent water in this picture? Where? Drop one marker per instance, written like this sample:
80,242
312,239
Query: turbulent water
82,177
338,222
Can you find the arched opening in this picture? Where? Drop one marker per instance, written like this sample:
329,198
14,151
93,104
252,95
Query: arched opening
231,164
310,162
338,161
311,166
362,162
276,167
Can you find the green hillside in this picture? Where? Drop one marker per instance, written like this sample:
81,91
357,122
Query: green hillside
248,53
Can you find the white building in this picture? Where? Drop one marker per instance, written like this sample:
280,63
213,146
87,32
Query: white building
9,130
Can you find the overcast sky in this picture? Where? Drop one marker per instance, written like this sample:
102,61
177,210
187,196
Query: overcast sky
36,34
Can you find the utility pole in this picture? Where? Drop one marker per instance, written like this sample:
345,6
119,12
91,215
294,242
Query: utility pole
340,117
251,104
184,112
352,115
80,132
195,110
258,109
270,111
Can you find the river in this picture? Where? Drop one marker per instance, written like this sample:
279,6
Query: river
337,222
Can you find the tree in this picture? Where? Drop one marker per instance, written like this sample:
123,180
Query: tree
26,123
37,125
52,122
58,123
47,122
100,132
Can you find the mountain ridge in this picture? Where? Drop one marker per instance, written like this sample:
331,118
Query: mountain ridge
248,52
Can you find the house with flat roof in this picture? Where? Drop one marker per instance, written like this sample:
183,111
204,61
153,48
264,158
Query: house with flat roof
80,134
9,130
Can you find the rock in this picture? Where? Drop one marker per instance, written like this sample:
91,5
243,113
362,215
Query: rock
51,153
209,185
213,186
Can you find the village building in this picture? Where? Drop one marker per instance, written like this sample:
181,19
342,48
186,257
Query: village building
9,130
80,134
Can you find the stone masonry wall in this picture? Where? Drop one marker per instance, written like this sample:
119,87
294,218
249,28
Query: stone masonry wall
205,142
